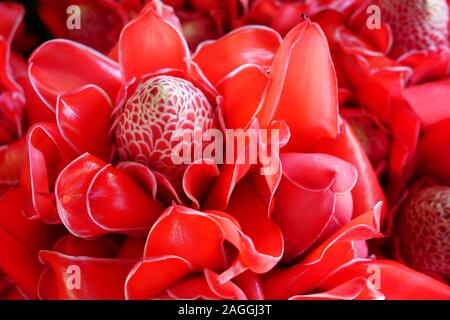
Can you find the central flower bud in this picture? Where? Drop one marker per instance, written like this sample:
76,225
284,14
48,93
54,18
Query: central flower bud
424,227
417,24
160,107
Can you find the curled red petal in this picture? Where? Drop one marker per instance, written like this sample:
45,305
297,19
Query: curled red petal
367,191
71,193
133,209
7,80
48,153
430,101
238,108
189,234
35,109
83,192
150,43
247,206
246,45
354,289
427,66
226,290
141,283
394,280
323,183
82,278
192,287
52,70
197,180
251,285
76,112
339,249
406,128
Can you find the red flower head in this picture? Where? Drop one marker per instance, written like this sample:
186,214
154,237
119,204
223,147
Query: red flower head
101,170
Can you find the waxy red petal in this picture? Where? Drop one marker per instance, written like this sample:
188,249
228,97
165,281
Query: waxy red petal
71,194
396,281
76,112
323,183
141,283
48,153
133,209
71,259
355,289
246,45
430,101
198,179
149,44
367,191
53,70
198,238
303,90
83,194
282,283
243,92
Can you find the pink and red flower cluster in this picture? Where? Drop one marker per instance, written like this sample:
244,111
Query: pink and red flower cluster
91,206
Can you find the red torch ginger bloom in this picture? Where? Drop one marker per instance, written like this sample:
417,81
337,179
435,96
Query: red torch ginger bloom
68,159
137,225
